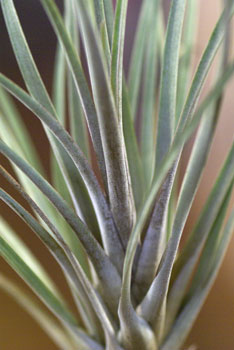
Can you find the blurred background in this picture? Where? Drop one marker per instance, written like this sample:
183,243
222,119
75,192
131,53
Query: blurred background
214,329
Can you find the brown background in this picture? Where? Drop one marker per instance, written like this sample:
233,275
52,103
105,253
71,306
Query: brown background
214,330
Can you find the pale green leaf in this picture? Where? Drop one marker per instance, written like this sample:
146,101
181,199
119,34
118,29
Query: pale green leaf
159,288
102,26
133,154
11,117
65,258
76,117
191,181
117,49
79,79
186,262
186,54
137,55
36,87
119,187
106,271
154,241
149,95
208,255
108,7
8,234
168,83
204,66
110,237
179,140
34,282
191,309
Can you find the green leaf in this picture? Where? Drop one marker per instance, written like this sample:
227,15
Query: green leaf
57,247
137,55
79,79
37,89
108,275
168,84
189,255
191,309
109,235
119,187
8,234
179,140
204,66
186,55
159,288
148,120
207,258
102,26
45,295
81,199
76,117
192,178
191,181
154,241
133,155
13,120
77,189
59,91
108,7
117,53
65,258
42,317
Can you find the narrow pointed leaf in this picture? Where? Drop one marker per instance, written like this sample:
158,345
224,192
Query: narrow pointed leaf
204,66
84,206
133,154
148,120
77,120
155,240
190,311
187,260
72,267
102,26
35,86
187,47
117,53
168,84
109,235
108,7
8,234
11,117
191,180
15,261
79,79
56,246
137,55
119,187
208,255
179,140
159,288
104,268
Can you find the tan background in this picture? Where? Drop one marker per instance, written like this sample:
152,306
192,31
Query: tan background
214,330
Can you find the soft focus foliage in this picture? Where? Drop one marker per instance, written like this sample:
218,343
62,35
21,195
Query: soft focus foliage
112,214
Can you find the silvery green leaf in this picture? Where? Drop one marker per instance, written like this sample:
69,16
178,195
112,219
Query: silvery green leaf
193,305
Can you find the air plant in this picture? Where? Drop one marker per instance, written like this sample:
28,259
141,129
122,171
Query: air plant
112,213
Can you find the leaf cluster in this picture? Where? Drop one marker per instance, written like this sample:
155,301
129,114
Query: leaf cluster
115,229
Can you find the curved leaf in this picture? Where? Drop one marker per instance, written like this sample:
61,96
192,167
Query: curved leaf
110,237
106,271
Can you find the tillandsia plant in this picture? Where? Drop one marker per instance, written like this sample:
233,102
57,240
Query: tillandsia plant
115,228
